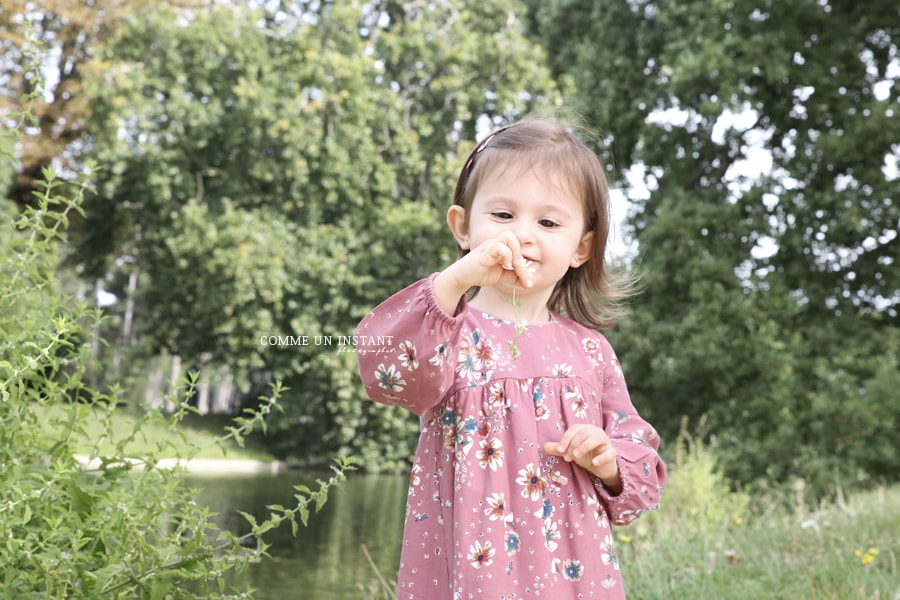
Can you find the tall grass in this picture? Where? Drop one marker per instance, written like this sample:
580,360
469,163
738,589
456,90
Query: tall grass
708,542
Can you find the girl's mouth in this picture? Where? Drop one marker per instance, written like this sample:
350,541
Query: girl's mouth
528,262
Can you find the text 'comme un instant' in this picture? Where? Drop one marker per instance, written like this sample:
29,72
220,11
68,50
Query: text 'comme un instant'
361,344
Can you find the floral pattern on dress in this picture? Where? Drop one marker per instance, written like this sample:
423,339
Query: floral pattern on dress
577,401
490,454
592,349
513,544
414,479
608,552
489,515
551,534
498,401
496,510
440,353
476,359
531,481
562,370
389,378
481,555
541,412
408,356
570,568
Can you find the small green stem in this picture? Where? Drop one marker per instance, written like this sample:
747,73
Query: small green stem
519,324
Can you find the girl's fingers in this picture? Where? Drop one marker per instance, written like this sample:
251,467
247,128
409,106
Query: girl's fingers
603,456
589,444
506,252
589,447
517,263
553,449
563,445
579,441
500,255
509,239
480,266
524,272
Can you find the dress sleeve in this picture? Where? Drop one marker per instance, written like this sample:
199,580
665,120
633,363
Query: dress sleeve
636,442
404,348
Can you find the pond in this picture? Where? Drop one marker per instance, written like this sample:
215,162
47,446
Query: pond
326,559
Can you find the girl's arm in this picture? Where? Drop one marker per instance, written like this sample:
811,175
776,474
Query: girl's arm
407,346
642,471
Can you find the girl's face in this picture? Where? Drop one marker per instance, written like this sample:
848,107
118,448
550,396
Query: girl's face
546,218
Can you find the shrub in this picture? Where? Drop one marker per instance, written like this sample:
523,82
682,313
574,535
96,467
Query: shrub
698,499
698,491
122,527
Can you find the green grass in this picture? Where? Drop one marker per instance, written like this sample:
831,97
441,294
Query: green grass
707,542
156,436
846,550
843,550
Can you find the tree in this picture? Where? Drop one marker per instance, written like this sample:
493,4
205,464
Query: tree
278,172
764,136
69,33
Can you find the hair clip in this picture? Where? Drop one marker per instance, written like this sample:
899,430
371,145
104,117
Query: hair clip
481,146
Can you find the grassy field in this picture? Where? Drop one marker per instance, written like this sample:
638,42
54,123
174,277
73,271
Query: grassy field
845,549
841,551
708,542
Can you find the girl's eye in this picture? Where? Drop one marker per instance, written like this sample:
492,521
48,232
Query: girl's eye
501,214
548,223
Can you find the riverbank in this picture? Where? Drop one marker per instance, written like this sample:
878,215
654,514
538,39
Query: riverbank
204,438
207,466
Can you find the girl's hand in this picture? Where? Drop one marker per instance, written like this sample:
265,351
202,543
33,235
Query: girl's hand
483,266
589,447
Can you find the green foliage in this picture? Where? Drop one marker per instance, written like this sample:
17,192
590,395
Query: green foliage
763,143
698,491
110,524
707,541
280,171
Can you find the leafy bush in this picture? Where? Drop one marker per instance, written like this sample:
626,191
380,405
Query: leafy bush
119,526
698,498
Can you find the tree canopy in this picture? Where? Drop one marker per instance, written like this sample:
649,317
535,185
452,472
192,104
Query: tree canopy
762,140
69,34
279,171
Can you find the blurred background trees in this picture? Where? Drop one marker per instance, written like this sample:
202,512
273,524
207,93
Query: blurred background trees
278,168
760,140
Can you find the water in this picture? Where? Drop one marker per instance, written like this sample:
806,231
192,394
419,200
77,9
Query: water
326,559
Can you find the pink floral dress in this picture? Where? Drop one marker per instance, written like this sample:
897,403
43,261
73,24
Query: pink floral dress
489,515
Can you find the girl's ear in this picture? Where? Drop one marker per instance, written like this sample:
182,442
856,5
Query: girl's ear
456,220
583,252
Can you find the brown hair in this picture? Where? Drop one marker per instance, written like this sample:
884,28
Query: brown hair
592,294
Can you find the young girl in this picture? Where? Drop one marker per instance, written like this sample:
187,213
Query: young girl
530,446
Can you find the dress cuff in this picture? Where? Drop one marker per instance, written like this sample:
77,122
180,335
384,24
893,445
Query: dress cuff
433,305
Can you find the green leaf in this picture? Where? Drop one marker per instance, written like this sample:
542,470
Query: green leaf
250,518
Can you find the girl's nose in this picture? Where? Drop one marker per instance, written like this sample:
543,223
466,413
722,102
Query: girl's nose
524,232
